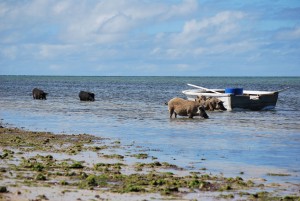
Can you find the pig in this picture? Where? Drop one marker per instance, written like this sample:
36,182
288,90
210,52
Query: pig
86,96
182,107
39,94
211,103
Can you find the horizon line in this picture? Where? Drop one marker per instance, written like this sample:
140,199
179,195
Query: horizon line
155,75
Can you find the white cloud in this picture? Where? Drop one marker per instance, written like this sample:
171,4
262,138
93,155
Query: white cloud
91,22
220,21
119,23
105,22
216,35
47,51
235,48
61,7
133,34
186,8
109,21
222,26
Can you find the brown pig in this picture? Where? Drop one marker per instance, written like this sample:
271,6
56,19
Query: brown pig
182,107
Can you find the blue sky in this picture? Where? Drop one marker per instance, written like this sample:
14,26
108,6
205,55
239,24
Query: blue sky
150,37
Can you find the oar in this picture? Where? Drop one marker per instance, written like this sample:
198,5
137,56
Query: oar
283,89
279,90
192,85
273,92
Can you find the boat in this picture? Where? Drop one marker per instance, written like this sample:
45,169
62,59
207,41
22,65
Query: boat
237,98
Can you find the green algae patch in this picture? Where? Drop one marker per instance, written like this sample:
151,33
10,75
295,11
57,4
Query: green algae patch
108,167
40,177
269,196
156,164
114,156
76,165
132,188
41,166
93,181
226,196
3,189
44,141
98,148
140,156
278,174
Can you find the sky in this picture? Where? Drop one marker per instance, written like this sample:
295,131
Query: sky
150,37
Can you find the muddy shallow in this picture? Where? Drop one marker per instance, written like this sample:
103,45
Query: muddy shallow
42,165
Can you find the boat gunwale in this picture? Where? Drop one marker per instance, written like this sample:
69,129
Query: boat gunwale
223,94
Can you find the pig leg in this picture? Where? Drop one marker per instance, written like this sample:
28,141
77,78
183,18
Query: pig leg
171,112
190,113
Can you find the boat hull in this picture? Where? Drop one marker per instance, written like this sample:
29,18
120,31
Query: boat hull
250,100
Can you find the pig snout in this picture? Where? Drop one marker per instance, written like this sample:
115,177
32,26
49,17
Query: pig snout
220,106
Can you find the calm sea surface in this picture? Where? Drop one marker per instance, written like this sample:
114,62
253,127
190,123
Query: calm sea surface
132,109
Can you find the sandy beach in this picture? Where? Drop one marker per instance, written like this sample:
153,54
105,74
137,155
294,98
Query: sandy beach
47,166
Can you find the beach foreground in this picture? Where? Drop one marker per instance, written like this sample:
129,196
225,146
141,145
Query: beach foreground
47,166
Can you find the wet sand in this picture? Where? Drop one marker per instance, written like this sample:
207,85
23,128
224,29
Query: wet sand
47,166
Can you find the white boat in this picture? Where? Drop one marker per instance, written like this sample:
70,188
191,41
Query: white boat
252,100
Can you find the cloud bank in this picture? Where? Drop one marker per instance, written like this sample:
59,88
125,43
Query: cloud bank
132,37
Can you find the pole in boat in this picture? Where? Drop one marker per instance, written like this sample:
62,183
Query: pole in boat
282,90
192,85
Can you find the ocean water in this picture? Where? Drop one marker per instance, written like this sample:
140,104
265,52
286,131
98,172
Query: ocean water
132,110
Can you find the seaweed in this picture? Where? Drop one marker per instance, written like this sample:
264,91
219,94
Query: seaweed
46,170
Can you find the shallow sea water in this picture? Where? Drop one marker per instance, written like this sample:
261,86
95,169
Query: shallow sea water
132,110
